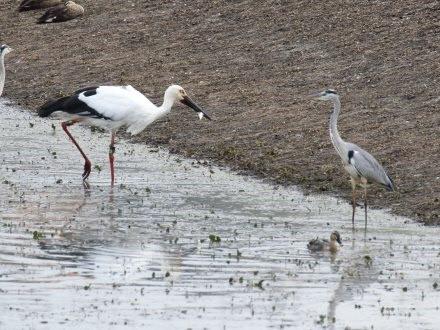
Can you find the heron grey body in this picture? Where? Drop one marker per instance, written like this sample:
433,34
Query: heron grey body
362,167
357,162
4,49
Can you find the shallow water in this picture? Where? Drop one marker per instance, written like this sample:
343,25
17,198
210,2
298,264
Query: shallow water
140,255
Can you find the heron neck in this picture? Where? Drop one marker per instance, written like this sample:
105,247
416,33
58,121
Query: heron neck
337,141
2,73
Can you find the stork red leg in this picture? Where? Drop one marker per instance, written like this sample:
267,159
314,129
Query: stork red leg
111,157
87,163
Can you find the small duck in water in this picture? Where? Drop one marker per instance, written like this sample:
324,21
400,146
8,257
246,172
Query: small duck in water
333,245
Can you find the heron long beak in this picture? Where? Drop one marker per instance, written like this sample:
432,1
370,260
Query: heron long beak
190,103
315,95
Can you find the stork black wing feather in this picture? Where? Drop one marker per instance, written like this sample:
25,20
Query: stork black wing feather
71,105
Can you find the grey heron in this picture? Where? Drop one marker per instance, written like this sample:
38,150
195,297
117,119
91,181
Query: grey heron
362,167
4,49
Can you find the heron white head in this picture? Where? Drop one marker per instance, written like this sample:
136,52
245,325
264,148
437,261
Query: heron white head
327,95
5,49
177,93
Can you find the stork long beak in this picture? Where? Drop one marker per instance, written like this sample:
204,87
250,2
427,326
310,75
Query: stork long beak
190,103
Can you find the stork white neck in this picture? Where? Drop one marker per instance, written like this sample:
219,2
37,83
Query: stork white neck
169,99
167,104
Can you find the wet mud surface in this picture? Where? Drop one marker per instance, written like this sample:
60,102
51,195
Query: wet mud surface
179,245
251,64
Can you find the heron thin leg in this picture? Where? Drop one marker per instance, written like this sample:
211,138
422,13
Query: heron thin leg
87,163
111,157
365,205
353,200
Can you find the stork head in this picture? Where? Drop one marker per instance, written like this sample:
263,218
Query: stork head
326,95
335,236
5,49
177,93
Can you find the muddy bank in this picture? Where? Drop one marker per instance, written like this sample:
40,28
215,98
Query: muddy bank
251,64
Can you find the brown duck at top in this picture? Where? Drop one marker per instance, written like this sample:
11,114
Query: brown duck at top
26,5
61,13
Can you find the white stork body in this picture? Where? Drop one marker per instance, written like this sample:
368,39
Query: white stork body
112,107
121,106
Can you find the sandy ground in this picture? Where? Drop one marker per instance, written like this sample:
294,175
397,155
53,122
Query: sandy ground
251,65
